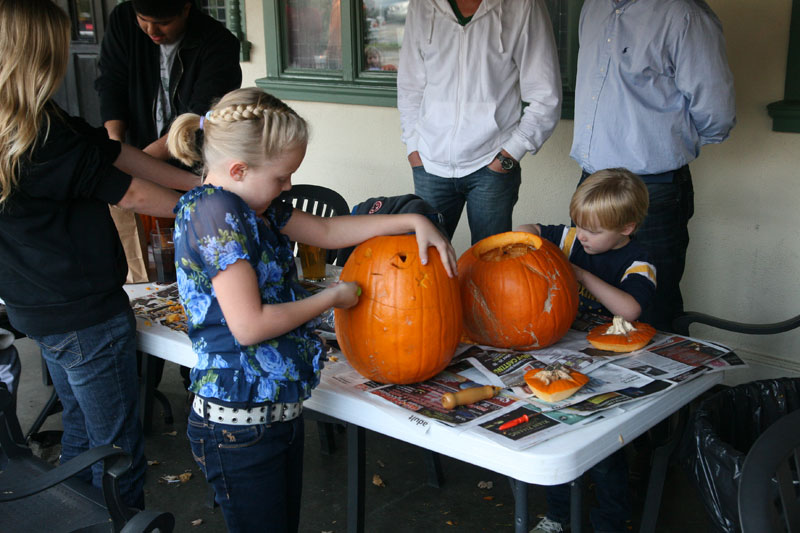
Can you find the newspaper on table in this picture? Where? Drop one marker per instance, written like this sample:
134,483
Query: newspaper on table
676,358
539,426
425,398
506,368
162,307
603,380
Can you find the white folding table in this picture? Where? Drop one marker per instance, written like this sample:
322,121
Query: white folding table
562,459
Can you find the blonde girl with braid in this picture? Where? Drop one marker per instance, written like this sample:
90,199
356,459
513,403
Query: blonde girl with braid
250,321
62,266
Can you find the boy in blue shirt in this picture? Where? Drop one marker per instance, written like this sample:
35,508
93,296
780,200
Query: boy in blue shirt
615,277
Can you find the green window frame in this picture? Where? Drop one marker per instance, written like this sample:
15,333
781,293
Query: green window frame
352,85
786,113
230,13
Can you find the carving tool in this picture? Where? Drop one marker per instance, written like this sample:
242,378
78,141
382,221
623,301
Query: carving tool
467,396
511,423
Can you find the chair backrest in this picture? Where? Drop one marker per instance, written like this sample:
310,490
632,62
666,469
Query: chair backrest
317,200
681,324
768,486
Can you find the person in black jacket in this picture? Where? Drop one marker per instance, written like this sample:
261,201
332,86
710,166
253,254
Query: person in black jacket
62,266
161,58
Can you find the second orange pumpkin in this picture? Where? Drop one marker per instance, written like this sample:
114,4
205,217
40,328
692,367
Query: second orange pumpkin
517,291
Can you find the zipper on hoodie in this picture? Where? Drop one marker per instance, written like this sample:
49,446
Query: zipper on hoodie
459,85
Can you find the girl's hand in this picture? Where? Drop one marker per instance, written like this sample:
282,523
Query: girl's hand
428,235
345,294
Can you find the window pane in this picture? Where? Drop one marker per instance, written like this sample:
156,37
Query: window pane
561,12
314,34
214,8
84,29
384,21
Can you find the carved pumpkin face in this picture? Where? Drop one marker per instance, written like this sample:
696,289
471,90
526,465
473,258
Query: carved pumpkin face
407,323
517,290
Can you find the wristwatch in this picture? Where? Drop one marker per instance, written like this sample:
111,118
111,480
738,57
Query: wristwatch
506,162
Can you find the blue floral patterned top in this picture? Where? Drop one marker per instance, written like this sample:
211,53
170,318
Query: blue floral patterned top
213,229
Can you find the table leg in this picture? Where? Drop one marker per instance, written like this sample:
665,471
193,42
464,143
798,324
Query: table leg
355,478
575,505
435,475
520,490
658,471
148,386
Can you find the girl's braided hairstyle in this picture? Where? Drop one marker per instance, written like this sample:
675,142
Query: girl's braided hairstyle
246,124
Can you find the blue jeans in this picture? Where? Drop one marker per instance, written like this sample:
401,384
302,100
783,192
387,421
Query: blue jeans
490,197
665,235
256,471
94,374
611,491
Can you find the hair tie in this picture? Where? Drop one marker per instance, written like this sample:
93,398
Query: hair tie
204,118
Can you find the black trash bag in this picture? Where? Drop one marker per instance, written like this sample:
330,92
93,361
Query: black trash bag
390,205
719,435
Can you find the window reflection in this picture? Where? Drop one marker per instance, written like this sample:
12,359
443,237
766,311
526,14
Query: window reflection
314,34
84,27
383,24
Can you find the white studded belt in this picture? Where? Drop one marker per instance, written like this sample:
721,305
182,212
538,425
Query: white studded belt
237,416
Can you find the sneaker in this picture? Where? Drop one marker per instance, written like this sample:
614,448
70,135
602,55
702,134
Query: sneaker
546,525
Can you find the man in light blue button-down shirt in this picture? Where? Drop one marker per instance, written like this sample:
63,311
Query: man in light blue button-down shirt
653,86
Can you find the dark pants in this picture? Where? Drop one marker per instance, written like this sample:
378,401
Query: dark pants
490,198
665,235
94,374
611,490
256,472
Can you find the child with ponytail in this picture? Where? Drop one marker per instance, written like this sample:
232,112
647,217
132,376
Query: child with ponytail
250,322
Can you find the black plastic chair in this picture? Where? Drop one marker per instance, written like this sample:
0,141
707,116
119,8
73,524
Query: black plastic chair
35,496
768,486
324,202
317,200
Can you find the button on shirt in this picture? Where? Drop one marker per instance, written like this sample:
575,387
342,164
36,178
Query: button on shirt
653,85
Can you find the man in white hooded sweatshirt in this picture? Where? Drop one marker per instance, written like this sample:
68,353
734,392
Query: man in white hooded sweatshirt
466,67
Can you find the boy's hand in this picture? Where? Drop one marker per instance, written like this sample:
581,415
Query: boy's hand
428,235
529,228
579,272
345,294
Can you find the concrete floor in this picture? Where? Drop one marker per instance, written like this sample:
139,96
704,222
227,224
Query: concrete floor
404,504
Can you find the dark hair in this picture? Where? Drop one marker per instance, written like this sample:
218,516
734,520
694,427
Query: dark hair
160,8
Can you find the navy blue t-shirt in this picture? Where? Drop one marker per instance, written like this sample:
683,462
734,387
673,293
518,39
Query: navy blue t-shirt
627,268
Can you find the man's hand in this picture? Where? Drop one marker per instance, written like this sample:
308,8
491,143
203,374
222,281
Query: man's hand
415,159
497,167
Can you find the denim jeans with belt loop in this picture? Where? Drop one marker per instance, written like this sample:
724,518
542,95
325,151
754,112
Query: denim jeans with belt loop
94,373
256,471
490,197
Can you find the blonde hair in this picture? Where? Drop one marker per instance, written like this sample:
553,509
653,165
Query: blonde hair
610,199
246,124
34,47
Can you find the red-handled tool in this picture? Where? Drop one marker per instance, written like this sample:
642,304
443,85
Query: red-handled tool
517,421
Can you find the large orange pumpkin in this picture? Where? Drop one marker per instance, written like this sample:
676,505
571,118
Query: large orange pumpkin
407,323
517,290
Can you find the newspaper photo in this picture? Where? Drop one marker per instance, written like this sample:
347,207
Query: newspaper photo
673,357
162,307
